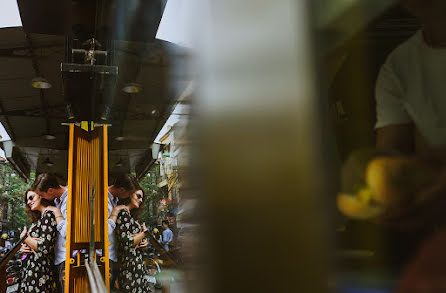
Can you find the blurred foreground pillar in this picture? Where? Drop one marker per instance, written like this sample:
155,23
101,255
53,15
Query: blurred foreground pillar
259,152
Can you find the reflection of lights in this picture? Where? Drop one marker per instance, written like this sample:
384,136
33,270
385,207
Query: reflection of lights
119,163
153,112
49,137
48,162
106,114
132,88
40,83
119,138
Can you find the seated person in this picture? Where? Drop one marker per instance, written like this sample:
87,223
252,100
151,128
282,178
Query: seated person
411,107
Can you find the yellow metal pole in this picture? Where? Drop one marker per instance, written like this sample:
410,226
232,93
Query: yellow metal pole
106,240
69,207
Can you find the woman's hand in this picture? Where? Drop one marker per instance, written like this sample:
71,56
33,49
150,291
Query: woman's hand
120,207
24,232
138,238
115,211
25,249
143,243
56,211
143,227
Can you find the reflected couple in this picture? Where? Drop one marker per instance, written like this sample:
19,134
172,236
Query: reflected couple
38,274
130,238
46,204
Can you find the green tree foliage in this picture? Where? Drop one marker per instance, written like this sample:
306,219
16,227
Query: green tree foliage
153,195
12,196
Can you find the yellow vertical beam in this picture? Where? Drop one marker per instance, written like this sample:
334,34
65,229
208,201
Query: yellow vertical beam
78,231
97,202
87,166
86,219
69,207
105,182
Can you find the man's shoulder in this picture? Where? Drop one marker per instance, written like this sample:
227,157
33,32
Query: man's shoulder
402,53
112,199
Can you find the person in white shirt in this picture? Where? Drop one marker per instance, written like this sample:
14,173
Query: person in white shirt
47,186
411,87
411,118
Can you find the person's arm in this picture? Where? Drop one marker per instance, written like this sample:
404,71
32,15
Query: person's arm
48,236
122,236
115,211
57,214
137,238
394,126
396,137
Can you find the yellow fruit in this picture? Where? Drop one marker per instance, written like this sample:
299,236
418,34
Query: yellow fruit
355,207
396,180
386,178
364,195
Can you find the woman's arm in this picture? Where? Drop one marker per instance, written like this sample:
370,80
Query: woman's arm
137,238
32,243
47,237
115,212
122,235
57,213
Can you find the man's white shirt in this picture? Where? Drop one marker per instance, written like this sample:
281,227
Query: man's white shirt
112,202
59,248
411,88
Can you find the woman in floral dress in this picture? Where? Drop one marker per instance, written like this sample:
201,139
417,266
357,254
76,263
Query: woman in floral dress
133,275
38,275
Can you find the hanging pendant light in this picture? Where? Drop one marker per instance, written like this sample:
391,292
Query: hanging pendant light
40,83
132,88
49,136
48,162
119,163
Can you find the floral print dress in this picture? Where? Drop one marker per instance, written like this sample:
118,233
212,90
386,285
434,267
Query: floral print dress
133,275
38,275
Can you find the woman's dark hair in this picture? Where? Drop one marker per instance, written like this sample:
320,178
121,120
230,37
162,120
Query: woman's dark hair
134,212
34,216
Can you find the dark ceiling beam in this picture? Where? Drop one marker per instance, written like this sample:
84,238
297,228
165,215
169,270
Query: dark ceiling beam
36,68
56,112
24,51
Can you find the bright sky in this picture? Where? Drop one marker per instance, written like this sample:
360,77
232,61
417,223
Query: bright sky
9,17
9,14
5,136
